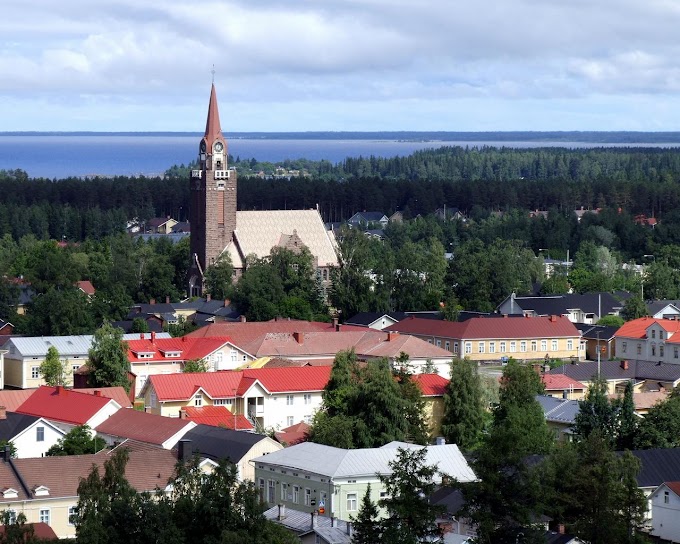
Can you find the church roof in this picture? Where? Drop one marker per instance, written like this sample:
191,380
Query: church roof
212,124
257,232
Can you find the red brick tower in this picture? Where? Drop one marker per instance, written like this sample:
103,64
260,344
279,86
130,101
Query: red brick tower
212,215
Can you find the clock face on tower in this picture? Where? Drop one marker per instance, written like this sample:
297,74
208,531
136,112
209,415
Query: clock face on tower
219,147
202,147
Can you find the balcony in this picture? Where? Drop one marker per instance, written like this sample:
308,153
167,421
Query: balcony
222,174
196,174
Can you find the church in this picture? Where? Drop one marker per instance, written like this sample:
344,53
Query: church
217,226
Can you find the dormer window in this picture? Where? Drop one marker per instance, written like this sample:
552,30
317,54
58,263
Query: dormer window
41,491
10,493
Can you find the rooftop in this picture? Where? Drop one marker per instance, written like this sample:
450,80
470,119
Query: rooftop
61,404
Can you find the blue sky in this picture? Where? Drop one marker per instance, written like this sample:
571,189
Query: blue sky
298,65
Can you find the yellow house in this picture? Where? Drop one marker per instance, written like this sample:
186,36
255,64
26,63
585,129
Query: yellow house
499,338
433,387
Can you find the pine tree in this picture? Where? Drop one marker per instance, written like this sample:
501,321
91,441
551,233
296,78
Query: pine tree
366,524
596,412
463,419
627,420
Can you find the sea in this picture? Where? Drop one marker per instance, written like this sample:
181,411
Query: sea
63,155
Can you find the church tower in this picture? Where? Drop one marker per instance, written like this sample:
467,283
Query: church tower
212,215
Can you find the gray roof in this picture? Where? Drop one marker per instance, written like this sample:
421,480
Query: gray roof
558,410
37,346
658,466
614,370
655,306
590,332
14,423
217,443
366,318
562,304
340,463
301,523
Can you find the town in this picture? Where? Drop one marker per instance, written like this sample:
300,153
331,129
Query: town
338,382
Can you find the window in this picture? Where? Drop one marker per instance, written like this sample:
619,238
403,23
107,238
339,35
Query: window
290,421
522,346
447,346
570,344
12,516
308,398
152,399
624,345
675,353
198,399
289,400
296,494
35,372
234,356
653,350
468,347
223,402
351,502
284,491
439,343
271,491
308,497
653,333
45,515
666,497
661,350
534,345
261,488
639,349
71,515
455,347
513,347
544,345
492,347
554,345
481,347
40,434
74,368
502,347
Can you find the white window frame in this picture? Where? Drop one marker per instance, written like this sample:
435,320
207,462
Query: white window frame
308,497
35,372
40,434
308,398
570,345
455,347
468,348
553,345
198,400
447,346
503,347
284,491
544,345
296,494
44,515
71,514
523,346
492,347
290,400
513,347
290,420
481,347
351,502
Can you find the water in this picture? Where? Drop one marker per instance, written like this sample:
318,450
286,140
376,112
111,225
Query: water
60,156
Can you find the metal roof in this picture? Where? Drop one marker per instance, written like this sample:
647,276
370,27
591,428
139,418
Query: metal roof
341,463
37,346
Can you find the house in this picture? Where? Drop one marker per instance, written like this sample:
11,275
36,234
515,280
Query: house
41,531
664,309
643,400
294,434
665,511
376,320
238,447
309,476
397,217
538,213
642,219
580,213
142,427
182,226
86,287
650,339
25,354
579,308
563,387
365,219
560,415
646,375
206,310
270,398
451,523
160,225
497,339
319,342
45,489
433,388
657,466
311,528
551,266
6,328
31,436
598,339
67,408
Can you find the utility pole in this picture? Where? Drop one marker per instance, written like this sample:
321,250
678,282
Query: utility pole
598,355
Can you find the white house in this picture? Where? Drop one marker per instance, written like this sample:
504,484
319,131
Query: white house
649,339
665,506
31,436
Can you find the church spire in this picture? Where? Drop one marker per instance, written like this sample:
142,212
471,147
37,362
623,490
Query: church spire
212,124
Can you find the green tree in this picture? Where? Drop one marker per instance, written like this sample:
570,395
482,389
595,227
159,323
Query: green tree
367,524
597,413
53,370
12,447
59,312
16,530
139,325
634,308
414,413
219,277
78,441
410,517
628,420
660,428
463,420
611,321
196,365
108,361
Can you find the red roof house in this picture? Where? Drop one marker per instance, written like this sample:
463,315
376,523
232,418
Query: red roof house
144,427
217,416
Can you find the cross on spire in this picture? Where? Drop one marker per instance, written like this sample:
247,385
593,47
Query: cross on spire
213,73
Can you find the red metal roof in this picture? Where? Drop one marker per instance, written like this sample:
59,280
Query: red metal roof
674,486
86,287
212,123
294,434
432,385
637,328
142,426
218,416
188,348
116,393
490,327
560,382
295,379
63,404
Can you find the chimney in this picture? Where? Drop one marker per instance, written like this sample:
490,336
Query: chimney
624,364
299,337
182,413
184,449
59,389
97,393
167,299
207,297
243,318
314,520
227,302
3,412
334,521
141,336
152,301
565,394
553,318
282,512
440,441
560,528
337,327
350,529
392,336
335,323
153,337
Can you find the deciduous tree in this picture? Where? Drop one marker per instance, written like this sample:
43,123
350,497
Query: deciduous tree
108,361
53,370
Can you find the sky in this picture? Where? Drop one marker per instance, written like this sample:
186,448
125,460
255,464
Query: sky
340,65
